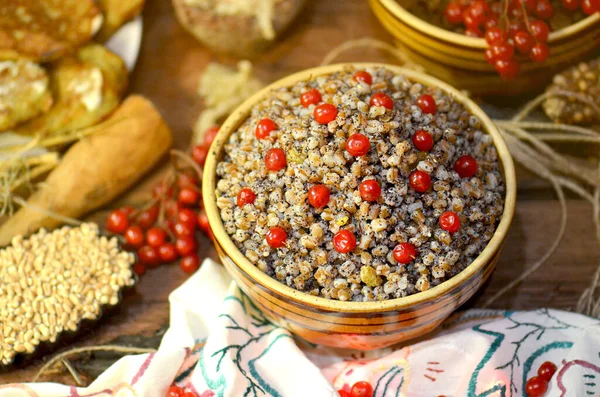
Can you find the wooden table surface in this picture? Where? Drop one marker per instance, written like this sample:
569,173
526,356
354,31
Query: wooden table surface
168,70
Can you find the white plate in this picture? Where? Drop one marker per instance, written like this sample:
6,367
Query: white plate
127,41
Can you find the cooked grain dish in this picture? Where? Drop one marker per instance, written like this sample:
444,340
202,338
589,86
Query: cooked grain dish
360,185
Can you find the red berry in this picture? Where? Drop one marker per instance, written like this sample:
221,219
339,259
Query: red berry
453,14
369,190
450,222
276,237
188,196
404,253
189,263
210,134
427,104
161,191
310,97
469,21
361,389
544,9
147,218
275,159
189,394
539,30
148,256
344,393
423,140
547,371
186,245
245,196
363,76
529,5
539,52
203,222
474,32
503,51
466,166
508,70
536,387
128,210
318,196
325,113
139,269
381,99
491,23
590,7
264,128
134,236
420,181
358,145
571,5
117,222
187,216
199,154
184,229
495,36
489,56
175,391
167,253
523,42
344,241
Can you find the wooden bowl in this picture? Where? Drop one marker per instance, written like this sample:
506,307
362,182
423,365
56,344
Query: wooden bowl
460,60
357,325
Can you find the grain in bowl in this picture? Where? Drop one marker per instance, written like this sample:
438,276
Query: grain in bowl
360,185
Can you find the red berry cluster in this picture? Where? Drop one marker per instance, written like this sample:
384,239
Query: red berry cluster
359,389
176,391
538,385
510,25
166,229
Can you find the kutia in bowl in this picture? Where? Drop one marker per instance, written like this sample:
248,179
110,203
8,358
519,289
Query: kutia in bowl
359,204
479,45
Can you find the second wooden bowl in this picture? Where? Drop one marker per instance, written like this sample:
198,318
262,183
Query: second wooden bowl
460,60
357,325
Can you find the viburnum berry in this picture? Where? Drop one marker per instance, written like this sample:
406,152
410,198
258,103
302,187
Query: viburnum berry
508,70
156,237
134,236
203,222
139,268
427,104
358,145
186,245
189,394
369,190
489,56
420,181
453,13
264,128
474,32
325,113
344,241
529,5
544,9
381,99
190,263
186,180
590,7
200,153
547,371
147,217
276,237
523,42
188,196
344,393
490,23
361,389
363,76
450,222
536,387
128,210
469,21
184,229
404,253
175,391
495,36
275,159
245,196
539,30
466,166
310,97
187,215
571,5
167,253
117,222
539,52
514,26
318,196
210,134
148,256
503,51
423,140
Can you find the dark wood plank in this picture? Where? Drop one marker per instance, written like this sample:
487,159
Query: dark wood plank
170,65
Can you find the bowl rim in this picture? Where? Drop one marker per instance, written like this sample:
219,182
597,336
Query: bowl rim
442,34
239,115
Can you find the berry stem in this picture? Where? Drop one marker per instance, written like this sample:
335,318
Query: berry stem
525,16
178,154
504,20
